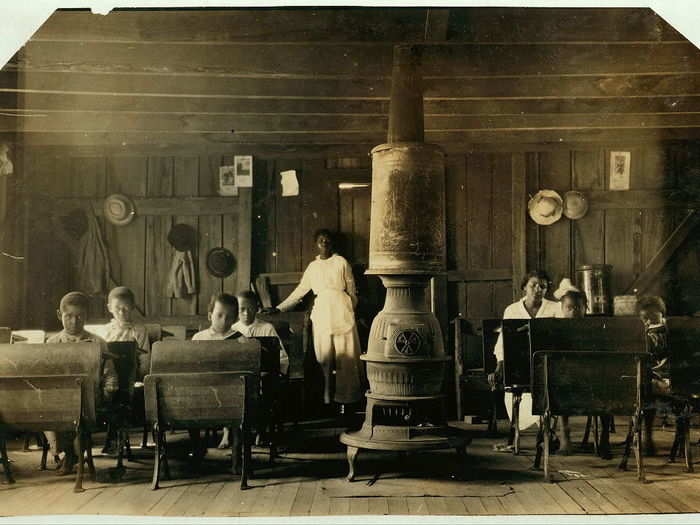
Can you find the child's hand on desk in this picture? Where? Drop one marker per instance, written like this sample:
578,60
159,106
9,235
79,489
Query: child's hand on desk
138,384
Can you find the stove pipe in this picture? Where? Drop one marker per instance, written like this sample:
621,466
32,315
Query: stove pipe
406,355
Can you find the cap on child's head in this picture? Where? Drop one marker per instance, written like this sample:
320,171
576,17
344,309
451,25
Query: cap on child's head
224,298
123,293
651,302
247,295
78,299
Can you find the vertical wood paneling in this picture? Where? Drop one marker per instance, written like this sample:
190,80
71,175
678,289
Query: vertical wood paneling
532,231
319,206
289,224
587,170
619,247
186,182
210,231
479,210
159,253
127,244
518,221
555,174
89,180
502,211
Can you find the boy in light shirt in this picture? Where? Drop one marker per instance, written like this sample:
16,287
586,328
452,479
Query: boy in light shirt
250,326
223,312
73,312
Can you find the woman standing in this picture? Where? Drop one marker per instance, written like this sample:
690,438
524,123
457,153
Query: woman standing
336,341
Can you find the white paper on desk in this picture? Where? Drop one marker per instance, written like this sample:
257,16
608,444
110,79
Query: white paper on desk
290,184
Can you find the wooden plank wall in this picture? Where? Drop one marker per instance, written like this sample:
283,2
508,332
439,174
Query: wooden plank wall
320,78
140,255
624,229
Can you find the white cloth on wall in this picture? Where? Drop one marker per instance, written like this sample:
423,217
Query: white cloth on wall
333,318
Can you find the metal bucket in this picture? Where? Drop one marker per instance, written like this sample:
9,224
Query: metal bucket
594,281
408,209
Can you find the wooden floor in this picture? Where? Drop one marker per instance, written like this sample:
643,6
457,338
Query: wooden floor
585,484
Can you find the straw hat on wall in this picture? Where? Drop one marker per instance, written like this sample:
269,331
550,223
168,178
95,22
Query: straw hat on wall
545,207
575,205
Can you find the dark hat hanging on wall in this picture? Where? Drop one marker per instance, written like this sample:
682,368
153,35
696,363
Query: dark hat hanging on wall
75,223
220,262
119,209
182,237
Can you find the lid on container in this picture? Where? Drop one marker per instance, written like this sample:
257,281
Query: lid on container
584,267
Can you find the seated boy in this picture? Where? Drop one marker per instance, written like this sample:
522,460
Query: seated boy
250,326
223,312
73,312
121,303
652,312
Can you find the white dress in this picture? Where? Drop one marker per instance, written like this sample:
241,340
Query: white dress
336,341
517,310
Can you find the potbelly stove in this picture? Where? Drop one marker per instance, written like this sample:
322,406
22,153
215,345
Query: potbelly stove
406,361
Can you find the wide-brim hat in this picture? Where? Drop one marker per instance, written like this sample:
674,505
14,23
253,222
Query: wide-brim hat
182,237
220,262
575,205
545,207
119,209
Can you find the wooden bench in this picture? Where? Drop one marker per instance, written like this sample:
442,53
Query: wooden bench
588,334
575,383
51,387
200,385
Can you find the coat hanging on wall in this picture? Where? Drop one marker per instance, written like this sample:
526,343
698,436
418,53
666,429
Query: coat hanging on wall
93,259
182,279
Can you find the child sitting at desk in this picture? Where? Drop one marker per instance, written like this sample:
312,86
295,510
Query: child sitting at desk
73,312
250,326
121,303
223,312
652,312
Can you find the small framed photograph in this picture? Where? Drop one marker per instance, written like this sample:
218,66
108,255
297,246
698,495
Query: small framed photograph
244,170
227,181
620,170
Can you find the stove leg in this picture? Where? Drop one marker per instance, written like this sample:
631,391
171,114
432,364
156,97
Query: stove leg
352,455
462,472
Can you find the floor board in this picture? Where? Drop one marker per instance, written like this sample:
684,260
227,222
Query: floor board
294,486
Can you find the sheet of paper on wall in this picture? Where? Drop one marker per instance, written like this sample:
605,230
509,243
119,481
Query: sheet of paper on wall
244,170
620,170
227,181
290,184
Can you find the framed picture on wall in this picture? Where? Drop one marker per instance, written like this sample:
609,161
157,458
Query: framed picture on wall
620,170
244,170
227,181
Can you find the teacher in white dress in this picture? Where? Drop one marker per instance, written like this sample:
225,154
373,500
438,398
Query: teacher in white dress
532,305
336,341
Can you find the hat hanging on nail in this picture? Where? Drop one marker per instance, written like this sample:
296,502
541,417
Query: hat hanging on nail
182,237
119,209
220,262
545,207
575,205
